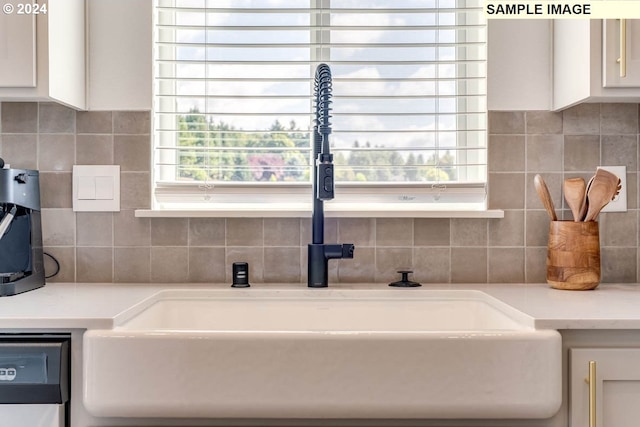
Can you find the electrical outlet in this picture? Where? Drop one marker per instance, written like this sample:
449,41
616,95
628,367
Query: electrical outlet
619,203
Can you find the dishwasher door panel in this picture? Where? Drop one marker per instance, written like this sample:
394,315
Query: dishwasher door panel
32,415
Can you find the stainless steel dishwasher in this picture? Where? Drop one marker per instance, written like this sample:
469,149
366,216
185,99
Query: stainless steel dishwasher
34,380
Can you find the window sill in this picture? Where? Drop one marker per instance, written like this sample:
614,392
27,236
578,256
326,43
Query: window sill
303,210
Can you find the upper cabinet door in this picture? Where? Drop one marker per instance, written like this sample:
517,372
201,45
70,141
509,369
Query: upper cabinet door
621,53
17,47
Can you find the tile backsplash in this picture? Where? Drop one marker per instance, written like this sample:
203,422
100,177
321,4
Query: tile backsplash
118,247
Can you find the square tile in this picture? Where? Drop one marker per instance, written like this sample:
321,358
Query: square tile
619,265
618,119
169,264
94,229
207,231
431,232
282,232
581,152
132,152
506,190
56,152
132,122
507,231
390,260
20,151
94,122
169,232
55,190
94,265
506,122
135,190
544,122
129,230
544,153
19,117
506,153
582,119
58,227
94,149
245,232
207,265
506,265
281,264
620,150
468,265
468,232
56,118
394,232
432,265
132,265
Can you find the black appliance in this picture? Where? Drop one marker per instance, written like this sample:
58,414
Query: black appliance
35,379
21,252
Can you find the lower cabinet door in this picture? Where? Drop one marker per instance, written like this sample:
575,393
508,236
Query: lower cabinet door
604,389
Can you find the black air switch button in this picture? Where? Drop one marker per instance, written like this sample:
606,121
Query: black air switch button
240,271
328,183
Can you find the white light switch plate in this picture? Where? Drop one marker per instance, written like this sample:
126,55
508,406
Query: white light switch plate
96,188
619,203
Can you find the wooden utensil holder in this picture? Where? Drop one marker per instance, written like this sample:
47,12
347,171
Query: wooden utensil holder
573,256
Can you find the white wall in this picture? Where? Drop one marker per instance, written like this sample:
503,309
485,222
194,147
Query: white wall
120,54
519,65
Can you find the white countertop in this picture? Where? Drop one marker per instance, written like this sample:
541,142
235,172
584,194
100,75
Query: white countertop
95,306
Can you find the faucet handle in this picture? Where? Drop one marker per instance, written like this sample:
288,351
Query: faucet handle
347,250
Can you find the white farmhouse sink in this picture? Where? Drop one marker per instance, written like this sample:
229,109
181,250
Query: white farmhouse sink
322,354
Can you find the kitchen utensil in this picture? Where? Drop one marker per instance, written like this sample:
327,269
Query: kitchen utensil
573,257
545,197
574,192
602,190
585,201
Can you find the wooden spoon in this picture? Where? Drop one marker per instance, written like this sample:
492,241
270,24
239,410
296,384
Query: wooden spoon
574,192
585,201
545,197
602,190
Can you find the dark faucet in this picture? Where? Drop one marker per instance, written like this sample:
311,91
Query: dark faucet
323,186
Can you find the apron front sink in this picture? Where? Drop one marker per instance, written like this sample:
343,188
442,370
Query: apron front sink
322,354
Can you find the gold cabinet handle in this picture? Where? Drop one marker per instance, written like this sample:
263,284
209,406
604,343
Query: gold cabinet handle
591,380
623,48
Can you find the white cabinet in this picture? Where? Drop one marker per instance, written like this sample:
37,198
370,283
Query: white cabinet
621,52
604,387
579,61
59,62
17,47
120,54
518,69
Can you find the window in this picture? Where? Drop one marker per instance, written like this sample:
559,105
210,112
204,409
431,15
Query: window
233,110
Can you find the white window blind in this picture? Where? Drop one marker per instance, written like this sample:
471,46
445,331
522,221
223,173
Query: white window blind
233,104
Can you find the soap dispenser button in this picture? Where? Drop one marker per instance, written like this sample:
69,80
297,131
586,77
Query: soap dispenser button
404,282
